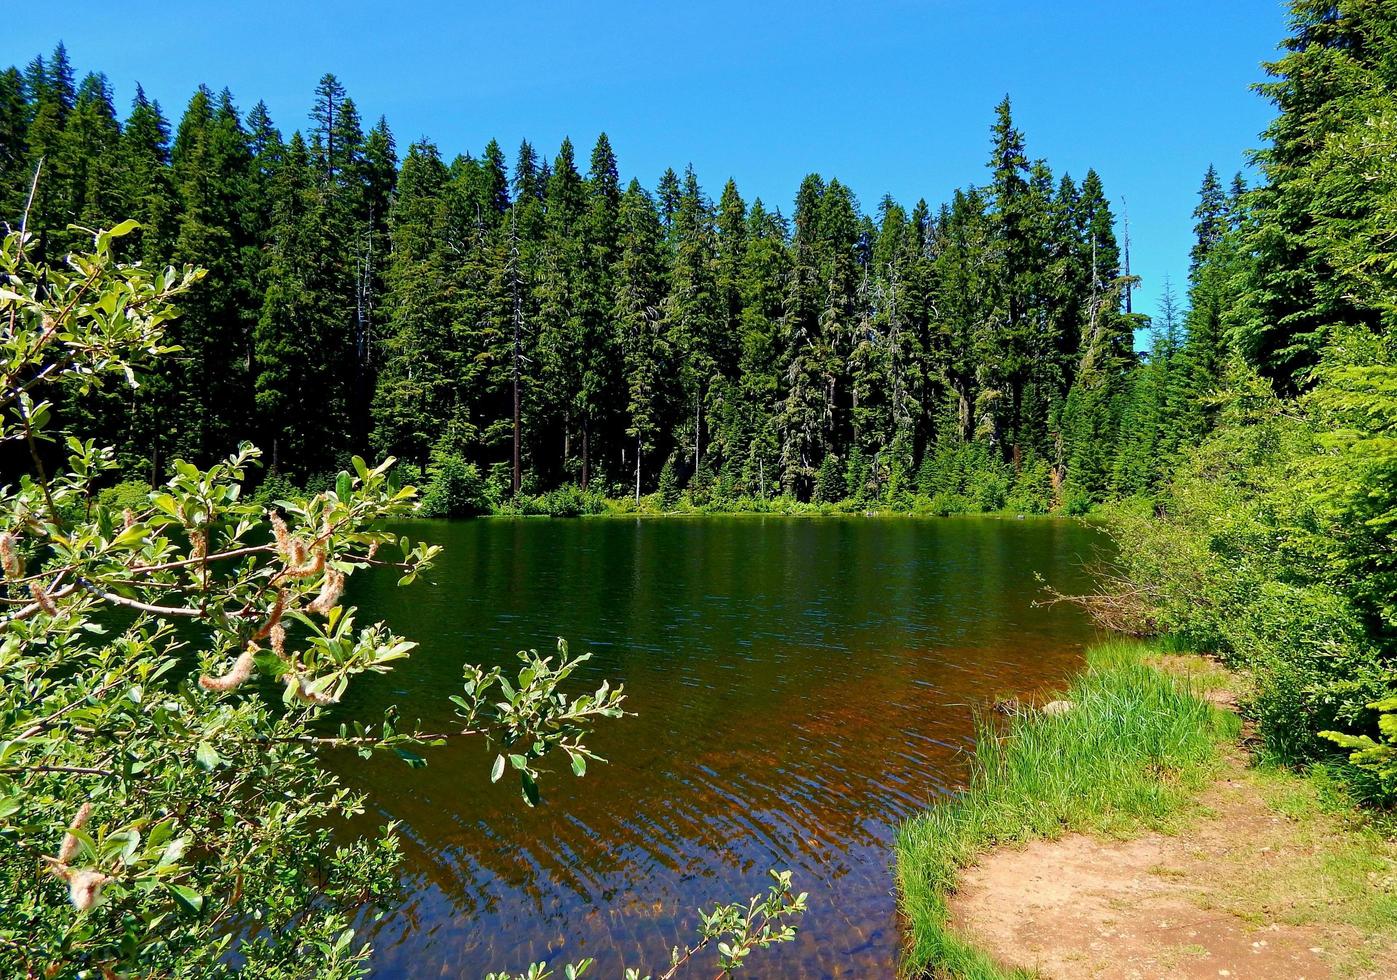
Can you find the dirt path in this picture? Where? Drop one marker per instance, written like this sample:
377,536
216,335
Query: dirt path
1264,883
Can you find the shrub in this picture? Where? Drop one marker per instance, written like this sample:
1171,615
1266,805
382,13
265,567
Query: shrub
1076,502
161,816
1032,489
132,495
1250,555
276,486
454,488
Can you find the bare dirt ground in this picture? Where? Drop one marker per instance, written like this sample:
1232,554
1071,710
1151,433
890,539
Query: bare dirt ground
1260,884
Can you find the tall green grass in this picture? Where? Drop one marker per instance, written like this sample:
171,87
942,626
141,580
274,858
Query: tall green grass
1136,745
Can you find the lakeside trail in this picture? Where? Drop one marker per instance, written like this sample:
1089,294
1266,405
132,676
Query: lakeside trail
1265,878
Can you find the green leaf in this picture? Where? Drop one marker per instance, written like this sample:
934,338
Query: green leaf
207,757
188,898
497,770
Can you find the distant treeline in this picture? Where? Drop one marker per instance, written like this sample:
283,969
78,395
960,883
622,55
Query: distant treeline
551,326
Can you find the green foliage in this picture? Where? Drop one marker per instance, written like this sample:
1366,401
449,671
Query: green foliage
669,485
1132,747
830,484
132,495
163,814
277,486
1032,489
1256,555
357,302
454,488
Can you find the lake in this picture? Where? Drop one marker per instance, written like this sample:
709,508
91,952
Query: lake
800,687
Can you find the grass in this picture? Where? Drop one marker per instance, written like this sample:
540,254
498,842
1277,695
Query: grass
1134,750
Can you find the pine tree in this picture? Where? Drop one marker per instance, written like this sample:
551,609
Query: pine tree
145,190
764,274
304,344
597,291
560,317
640,336
1211,220
1009,349
1338,54
693,315
14,146
414,398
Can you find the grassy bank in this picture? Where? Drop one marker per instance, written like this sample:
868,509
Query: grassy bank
1131,753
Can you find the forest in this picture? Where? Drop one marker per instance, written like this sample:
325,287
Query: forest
519,328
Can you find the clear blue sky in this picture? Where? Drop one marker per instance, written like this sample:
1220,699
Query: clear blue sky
890,96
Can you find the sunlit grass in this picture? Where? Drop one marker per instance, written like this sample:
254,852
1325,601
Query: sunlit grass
1132,752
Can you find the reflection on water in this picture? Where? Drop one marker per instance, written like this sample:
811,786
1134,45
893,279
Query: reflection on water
800,688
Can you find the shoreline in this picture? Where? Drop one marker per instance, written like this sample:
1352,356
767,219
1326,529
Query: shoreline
1036,867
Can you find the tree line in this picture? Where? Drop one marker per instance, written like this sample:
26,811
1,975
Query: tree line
549,324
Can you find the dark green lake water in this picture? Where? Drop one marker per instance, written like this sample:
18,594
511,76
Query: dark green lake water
801,686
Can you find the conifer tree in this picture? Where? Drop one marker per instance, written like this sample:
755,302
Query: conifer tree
640,334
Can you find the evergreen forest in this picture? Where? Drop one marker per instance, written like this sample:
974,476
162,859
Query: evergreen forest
517,327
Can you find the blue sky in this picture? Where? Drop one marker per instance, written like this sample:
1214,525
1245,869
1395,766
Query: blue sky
890,96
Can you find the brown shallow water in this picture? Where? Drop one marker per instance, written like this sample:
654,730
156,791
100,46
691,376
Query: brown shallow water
800,686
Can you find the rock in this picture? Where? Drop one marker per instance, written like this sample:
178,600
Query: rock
1057,707
1007,706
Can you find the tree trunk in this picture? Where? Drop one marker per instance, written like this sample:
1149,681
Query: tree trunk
586,441
696,432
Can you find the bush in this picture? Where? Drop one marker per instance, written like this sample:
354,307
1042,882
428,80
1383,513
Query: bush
454,488
132,495
570,500
1076,502
161,815
1244,558
1032,490
856,475
275,486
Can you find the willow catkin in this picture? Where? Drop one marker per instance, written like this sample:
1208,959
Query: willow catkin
330,591
69,848
44,600
234,679
9,561
274,616
277,635
85,888
303,568
282,536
